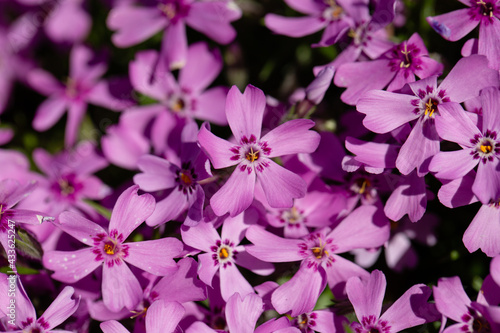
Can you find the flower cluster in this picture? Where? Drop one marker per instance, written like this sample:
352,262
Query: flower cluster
241,166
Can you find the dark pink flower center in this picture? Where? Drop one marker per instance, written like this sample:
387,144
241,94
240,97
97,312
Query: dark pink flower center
427,105
186,178
475,322
293,217
306,322
485,147
317,250
174,10
67,187
224,253
405,57
40,326
251,154
484,10
109,248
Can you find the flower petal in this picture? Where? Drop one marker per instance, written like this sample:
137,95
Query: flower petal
163,316
452,164
250,305
232,281
155,256
271,248
294,26
131,210
488,35
451,299
202,67
245,111
292,137
490,102
486,186
169,208
158,173
112,326
386,111
210,106
454,125
217,149
174,45
49,112
120,287
61,308
484,230
212,19
367,296
453,25
79,227
236,194
70,267
280,185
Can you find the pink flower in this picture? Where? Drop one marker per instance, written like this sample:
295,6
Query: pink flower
120,288
252,154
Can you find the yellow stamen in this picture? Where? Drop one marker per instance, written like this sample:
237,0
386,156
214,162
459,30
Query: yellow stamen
430,107
178,105
252,156
186,179
66,188
406,63
223,253
109,249
168,9
486,148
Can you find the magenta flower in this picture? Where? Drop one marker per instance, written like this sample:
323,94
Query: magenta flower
120,288
252,154
319,255
391,71
386,111
11,192
480,143
471,317
25,315
409,310
222,254
135,24
83,86
162,316
457,24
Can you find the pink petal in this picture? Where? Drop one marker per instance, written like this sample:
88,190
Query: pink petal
202,67
210,106
250,305
495,269
411,309
212,19
253,264
378,155
163,316
84,65
409,197
340,272
451,299
236,194
294,26
158,173
365,227
458,192
351,76
244,111
300,293
44,82
201,237
280,185
266,243
232,281
488,45
385,111
174,45
145,78
452,164
422,144
70,267
112,326
483,232
79,227
199,327
49,112
454,125
462,84
453,25
131,210
155,256
490,98
292,137
61,308
217,149
486,186
169,208
206,268
306,6
367,296
134,24
75,116
114,94
120,287
123,147
68,22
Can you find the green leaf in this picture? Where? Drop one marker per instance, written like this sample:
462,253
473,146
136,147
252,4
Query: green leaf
28,246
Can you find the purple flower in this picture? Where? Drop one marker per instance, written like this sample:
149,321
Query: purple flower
409,310
457,24
163,316
11,192
480,143
484,230
25,317
252,154
393,70
452,302
319,255
120,288
188,96
336,17
222,253
134,24
386,111
83,86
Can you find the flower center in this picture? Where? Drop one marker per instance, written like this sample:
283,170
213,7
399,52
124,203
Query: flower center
223,253
480,325
485,147
66,187
292,216
177,105
430,107
486,8
109,248
251,155
186,178
333,12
